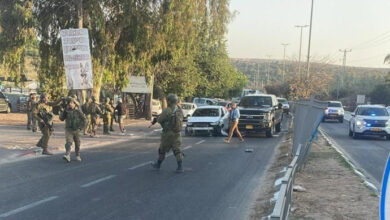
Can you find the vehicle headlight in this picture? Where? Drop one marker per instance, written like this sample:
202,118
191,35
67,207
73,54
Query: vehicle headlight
214,123
360,123
326,111
388,123
340,111
267,117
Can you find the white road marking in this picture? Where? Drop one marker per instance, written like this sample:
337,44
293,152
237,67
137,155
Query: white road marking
140,165
202,141
32,205
149,162
98,181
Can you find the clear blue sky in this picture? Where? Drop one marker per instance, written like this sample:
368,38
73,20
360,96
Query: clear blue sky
260,27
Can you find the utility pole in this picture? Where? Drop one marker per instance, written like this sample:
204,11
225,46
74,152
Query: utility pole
284,60
308,49
345,51
81,94
300,46
257,77
268,67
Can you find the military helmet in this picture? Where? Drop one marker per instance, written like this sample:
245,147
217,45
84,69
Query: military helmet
43,95
172,99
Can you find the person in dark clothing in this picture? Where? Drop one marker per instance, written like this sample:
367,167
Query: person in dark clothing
121,111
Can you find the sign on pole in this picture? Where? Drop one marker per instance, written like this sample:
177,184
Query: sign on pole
385,194
77,58
360,99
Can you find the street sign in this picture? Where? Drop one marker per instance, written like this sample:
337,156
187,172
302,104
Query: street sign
77,58
385,194
360,99
137,84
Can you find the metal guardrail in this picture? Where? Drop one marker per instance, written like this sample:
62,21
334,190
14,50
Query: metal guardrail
308,115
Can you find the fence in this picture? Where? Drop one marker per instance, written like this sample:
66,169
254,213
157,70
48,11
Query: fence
307,118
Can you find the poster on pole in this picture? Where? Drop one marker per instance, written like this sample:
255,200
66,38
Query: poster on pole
77,58
385,194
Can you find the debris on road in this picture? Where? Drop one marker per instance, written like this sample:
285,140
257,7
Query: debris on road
298,188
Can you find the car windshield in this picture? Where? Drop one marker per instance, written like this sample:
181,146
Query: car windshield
186,106
367,111
199,101
335,104
284,101
256,101
206,112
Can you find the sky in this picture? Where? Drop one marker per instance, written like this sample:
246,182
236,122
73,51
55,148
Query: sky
261,26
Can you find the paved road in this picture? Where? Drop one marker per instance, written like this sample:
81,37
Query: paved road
369,154
116,182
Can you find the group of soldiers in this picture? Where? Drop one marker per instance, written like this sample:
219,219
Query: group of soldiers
84,118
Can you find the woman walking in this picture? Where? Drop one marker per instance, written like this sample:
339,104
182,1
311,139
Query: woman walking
233,122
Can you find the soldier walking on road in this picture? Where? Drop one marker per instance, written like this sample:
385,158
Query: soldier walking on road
107,111
85,109
31,121
121,111
74,123
44,115
171,120
94,110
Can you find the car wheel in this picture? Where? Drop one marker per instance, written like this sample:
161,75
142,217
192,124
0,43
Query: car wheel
354,134
217,131
388,137
278,127
323,119
341,120
270,132
187,132
350,132
8,109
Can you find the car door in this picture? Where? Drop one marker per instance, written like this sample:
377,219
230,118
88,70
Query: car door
3,103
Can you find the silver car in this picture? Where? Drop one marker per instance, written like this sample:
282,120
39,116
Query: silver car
370,120
334,111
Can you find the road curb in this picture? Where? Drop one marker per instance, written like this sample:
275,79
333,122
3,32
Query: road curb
366,182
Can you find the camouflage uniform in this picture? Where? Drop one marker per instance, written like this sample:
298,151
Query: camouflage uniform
31,121
170,139
94,111
107,111
112,115
85,109
74,122
44,115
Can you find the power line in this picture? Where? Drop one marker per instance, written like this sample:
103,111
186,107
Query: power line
378,38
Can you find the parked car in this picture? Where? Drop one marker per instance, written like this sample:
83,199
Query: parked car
334,110
370,120
156,107
285,105
388,109
188,109
260,113
5,105
209,120
205,101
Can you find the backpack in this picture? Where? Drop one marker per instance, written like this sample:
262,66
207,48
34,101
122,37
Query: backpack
176,120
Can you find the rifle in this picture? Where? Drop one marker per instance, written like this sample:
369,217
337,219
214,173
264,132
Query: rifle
47,118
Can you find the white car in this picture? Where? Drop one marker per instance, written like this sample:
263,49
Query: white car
208,120
388,109
334,110
370,120
188,109
285,105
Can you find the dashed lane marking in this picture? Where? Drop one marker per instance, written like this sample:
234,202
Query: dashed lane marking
98,181
200,142
32,205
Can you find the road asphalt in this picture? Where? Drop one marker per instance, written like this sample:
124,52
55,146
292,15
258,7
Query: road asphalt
369,154
117,182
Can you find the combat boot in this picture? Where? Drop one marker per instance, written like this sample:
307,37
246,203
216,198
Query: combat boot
179,167
46,152
66,157
78,158
156,164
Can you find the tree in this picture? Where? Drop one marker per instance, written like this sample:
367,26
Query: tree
381,95
16,34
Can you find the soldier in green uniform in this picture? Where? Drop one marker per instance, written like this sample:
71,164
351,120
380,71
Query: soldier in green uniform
94,110
85,109
44,116
107,111
171,120
112,115
31,121
74,122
